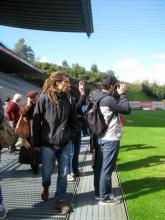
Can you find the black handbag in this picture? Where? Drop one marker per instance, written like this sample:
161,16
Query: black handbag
29,156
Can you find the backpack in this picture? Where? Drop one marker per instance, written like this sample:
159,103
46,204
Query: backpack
96,122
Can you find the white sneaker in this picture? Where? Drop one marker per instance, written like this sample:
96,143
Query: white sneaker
97,198
110,201
70,178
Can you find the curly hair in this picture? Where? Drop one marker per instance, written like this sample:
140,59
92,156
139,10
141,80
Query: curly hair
50,85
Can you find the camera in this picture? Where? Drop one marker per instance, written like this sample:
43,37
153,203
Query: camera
115,93
117,86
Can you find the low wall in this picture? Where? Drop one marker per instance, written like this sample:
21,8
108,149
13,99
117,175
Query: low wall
147,105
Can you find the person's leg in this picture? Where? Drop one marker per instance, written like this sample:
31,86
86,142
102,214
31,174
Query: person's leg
1,198
48,163
70,176
77,145
110,152
63,160
97,169
2,208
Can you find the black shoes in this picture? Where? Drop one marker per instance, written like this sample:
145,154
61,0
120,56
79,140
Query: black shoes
45,194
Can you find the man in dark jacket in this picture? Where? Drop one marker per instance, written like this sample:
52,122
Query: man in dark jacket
111,107
54,124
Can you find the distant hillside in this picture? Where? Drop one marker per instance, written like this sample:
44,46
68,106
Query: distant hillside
135,93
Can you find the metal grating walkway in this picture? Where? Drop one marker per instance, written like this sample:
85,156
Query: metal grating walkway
21,190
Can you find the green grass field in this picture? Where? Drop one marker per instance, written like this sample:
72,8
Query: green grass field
141,164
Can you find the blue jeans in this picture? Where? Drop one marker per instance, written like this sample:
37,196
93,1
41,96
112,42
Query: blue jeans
49,156
69,168
77,145
1,198
105,161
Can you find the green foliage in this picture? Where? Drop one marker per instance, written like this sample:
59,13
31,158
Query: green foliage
154,90
135,93
65,64
77,71
24,51
94,68
46,67
110,72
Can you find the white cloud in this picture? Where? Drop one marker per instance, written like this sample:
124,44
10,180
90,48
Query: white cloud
127,69
126,64
43,59
158,73
159,56
131,70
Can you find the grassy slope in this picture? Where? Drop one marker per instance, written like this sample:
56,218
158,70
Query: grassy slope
134,93
142,164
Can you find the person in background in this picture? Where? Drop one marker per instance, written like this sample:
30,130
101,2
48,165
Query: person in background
109,142
54,124
13,114
2,208
26,144
82,125
6,103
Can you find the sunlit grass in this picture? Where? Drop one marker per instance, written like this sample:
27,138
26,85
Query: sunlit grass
141,164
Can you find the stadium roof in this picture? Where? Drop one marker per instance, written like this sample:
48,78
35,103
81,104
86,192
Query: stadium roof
11,63
49,15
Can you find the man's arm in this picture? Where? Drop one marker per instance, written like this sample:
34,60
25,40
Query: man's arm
37,120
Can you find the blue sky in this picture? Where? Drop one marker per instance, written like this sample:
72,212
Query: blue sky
129,38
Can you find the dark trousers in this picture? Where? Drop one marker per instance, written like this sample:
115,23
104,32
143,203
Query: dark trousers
77,145
106,156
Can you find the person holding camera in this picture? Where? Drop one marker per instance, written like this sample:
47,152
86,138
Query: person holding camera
113,102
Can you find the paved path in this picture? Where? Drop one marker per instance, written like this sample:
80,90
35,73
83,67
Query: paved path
21,190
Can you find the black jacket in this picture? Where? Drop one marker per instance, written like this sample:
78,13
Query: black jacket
53,124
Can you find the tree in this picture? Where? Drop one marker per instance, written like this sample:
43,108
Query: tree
65,64
24,51
94,68
111,72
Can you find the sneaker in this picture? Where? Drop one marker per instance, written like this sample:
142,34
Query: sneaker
45,194
97,197
2,212
113,201
70,178
63,207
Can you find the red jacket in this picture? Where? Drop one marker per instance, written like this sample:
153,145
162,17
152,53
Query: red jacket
13,112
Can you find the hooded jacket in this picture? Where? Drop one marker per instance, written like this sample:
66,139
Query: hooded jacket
109,105
54,124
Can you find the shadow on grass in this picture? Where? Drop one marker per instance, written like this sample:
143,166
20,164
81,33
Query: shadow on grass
146,162
135,147
143,186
